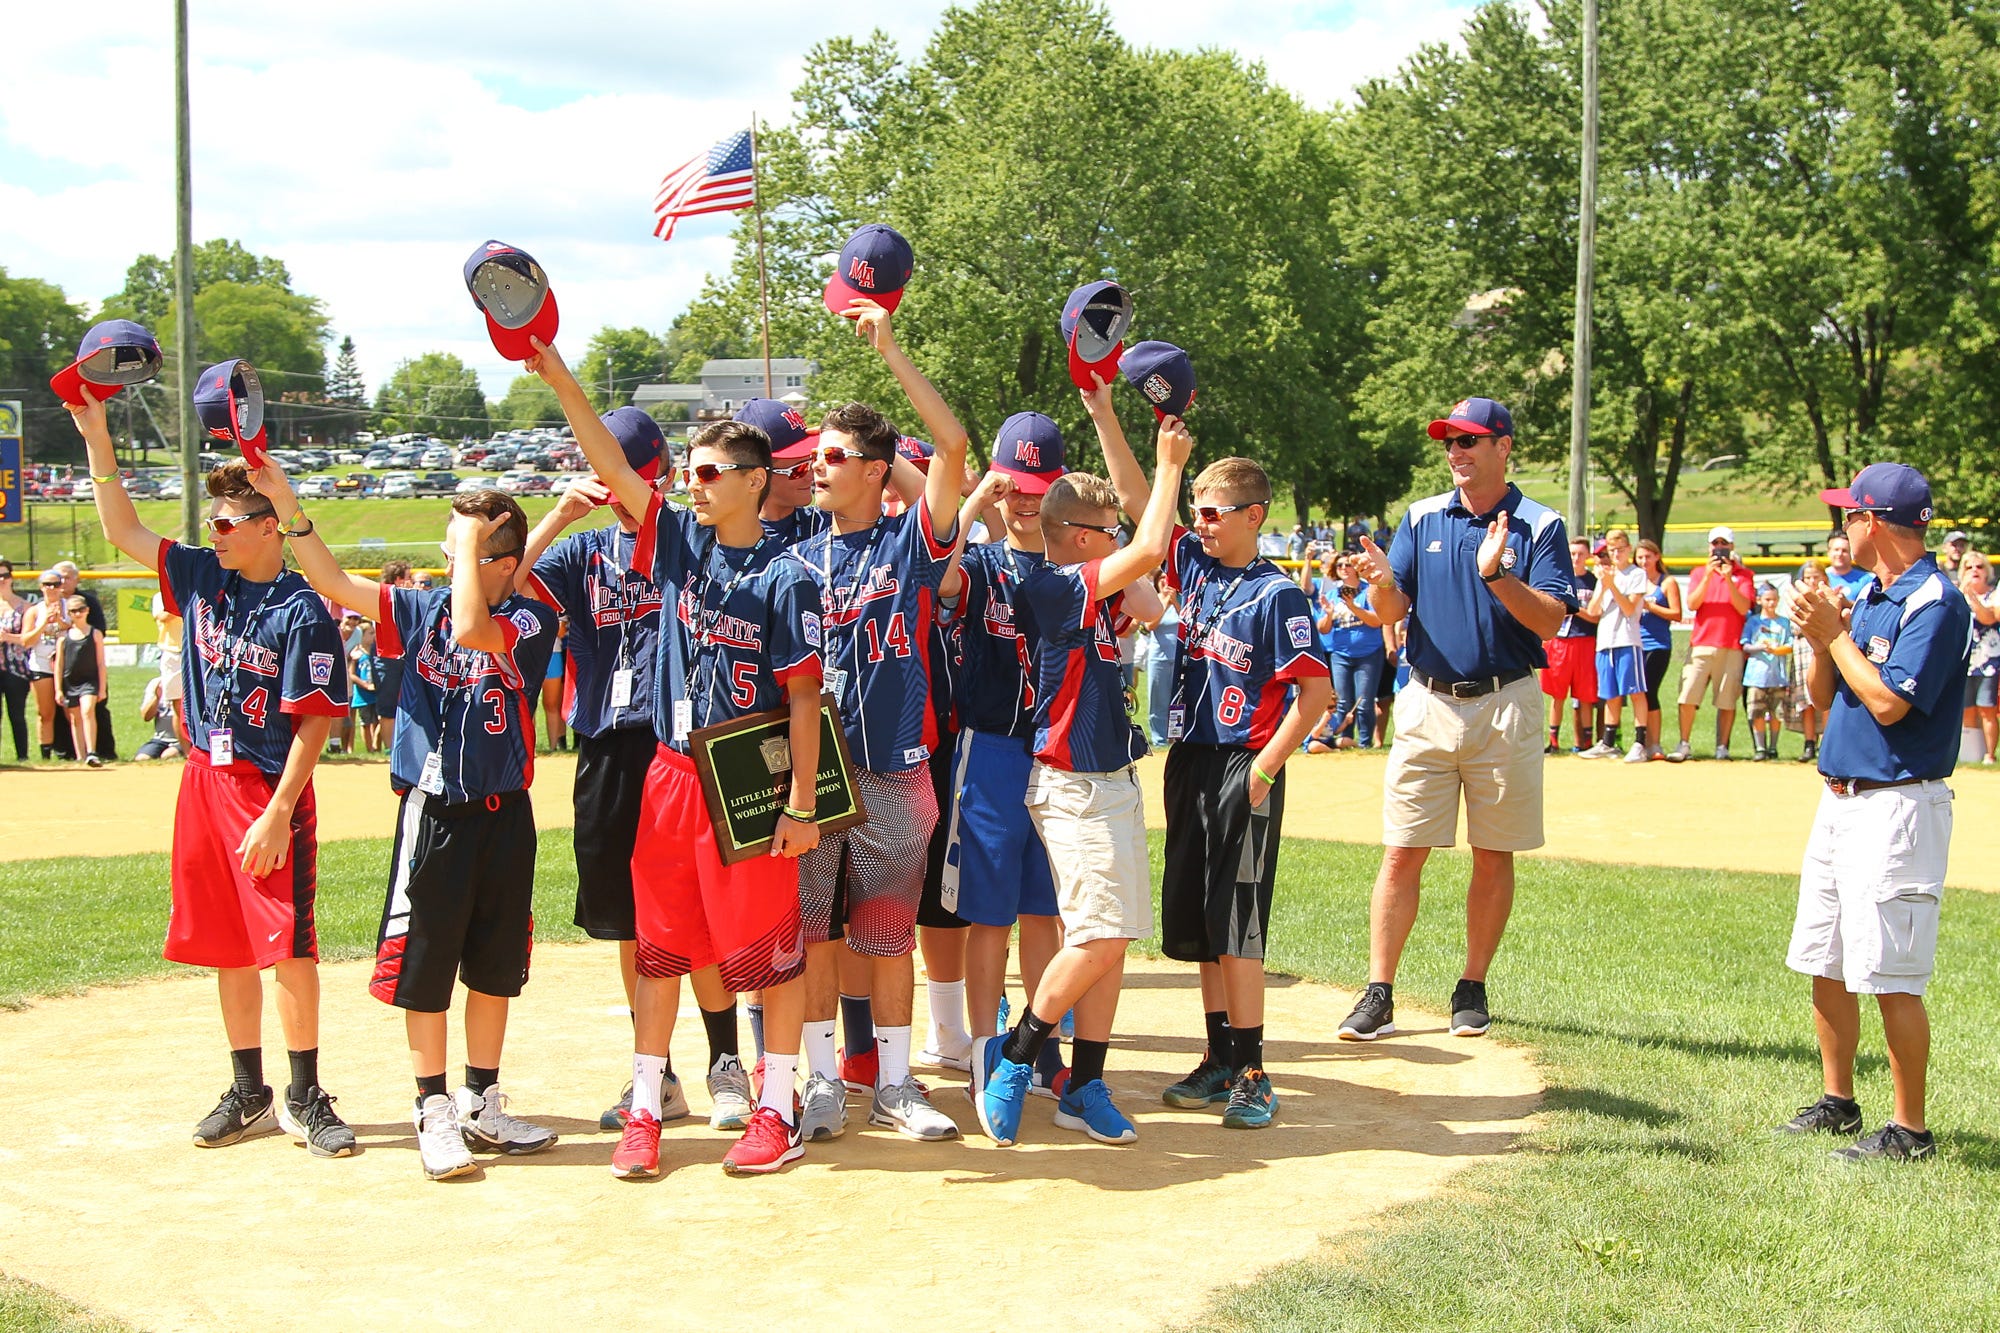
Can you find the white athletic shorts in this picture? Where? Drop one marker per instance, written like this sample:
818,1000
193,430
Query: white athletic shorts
1094,827
1870,888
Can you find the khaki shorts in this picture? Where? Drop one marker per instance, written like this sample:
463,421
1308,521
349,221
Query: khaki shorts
1489,749
1094,826
1724,666
1870,889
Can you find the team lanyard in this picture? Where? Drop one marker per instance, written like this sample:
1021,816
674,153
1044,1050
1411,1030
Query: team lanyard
235,644
1001,576
1201,630
837,598
703,628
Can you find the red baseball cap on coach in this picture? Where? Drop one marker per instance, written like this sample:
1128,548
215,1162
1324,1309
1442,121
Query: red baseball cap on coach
511,289
1474,416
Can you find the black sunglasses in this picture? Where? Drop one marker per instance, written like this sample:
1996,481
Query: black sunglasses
1111,530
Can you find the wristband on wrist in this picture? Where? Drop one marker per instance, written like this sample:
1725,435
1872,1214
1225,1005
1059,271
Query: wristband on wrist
803,816
101,481
1269,781
292,531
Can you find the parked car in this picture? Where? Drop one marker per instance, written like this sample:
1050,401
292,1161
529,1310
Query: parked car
405,457
358,483
436,457
317,488
170,489
376,458
399,487
468,485
437,483
364,437
524,483
141,489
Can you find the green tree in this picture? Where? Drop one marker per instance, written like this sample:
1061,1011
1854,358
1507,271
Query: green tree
618,361
346,394
148,294
705,331
39,332
529,403
434,394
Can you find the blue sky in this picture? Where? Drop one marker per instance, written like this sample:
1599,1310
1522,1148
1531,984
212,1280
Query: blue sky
372,144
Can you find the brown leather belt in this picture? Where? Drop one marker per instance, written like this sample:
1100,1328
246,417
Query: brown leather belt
1855,786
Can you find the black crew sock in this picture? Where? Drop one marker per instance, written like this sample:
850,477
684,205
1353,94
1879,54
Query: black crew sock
1585,738
1249,1048
1218,1035
479,1080
1611,737
722,1039
305,1074
430,1085
247,1070
1086,1061
857,1023
1024,1043
1639,737
1556,734
1844,1103
755,1013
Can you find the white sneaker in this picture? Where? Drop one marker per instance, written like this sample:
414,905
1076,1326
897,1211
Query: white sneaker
729,1101
1638,754
1722,752
823,1109
936,1054
485,1124
1602,750
440,1144
1682,753
906,1108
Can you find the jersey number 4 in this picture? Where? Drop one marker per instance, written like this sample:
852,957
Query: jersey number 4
898,639
256,705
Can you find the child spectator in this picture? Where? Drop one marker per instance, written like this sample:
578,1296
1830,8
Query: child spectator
1812,575
1767,646
362,673
1982,674
156,708
1661,612
1571,674
81,677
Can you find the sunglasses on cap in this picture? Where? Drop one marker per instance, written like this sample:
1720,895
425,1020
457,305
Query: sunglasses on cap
710,473
484,559
1109,530
1214,513
222,525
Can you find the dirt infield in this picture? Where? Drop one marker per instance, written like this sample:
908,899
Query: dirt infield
1734,816
124,1215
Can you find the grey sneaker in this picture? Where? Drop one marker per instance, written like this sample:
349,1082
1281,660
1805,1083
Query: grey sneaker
440,1143
235,1118
1374,1015
730,1104
485,1124
1891,1143
1469,1015
613,1120
1722,752
1825,1116
314,1124
1638,754
1602,750
823,1109
1681,753
906,1108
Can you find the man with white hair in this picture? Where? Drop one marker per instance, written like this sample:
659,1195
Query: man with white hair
1721,593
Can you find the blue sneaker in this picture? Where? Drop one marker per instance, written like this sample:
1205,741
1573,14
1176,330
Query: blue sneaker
1252,1103
1089,1109
1006,1012
999,1090
1069,1025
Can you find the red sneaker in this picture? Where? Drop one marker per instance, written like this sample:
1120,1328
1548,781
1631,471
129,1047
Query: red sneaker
638,1151
766,1145
859,1072
757,1078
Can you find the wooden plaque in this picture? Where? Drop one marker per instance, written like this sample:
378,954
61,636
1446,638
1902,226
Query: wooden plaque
745,766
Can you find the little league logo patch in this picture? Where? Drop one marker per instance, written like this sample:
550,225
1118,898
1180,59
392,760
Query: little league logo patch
1506,557
524,621
1878,650
321,667
1301,631
1156,388
809,626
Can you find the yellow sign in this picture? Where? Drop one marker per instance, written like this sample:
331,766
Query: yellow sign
135,616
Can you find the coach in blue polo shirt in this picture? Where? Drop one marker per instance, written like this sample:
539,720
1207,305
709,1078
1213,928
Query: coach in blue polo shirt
1484,573
1889,685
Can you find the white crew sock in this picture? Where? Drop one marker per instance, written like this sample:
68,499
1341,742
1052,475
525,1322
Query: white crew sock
892,1051
781,1074
647,1072
948,1015
820,1057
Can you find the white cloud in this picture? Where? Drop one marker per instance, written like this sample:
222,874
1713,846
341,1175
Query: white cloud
370,145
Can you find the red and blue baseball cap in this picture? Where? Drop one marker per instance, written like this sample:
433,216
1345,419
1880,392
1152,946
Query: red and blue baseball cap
1094,321
917,451
513,292
1475,416
1896,491
229,399
1163,374
1029,450
639,436
113,354
874,265
783,424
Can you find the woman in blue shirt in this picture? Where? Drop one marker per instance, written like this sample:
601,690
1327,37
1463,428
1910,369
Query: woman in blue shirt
1352,634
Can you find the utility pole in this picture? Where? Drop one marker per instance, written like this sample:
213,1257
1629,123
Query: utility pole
610,377
184,283
1586,262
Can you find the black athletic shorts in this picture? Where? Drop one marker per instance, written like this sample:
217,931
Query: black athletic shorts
931,912
610,784
461,901
1222,856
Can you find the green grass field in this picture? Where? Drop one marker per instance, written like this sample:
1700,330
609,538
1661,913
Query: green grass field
1652,1196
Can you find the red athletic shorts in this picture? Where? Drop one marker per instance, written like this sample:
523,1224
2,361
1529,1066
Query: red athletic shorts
1572,669
222,917
692,911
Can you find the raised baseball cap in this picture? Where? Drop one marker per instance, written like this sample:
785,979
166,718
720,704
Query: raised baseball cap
917,451
115,353
1162,373
1029,450
1475,416
1896,491
640,438
874,265
782,424
511,289
1719,533
1094,322
229,399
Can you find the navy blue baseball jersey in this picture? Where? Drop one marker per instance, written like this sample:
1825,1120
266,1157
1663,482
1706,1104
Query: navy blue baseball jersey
1574,626
1917,634
746,621
1458,628
465,719
1080,719
256,654
997,687
798,525
1247,636
947,650
614,627
879,586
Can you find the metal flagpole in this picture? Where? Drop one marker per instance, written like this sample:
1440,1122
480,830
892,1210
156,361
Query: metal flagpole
184,283
1586,261
763,284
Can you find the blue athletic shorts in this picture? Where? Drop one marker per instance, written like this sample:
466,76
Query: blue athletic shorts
994,863
1621,672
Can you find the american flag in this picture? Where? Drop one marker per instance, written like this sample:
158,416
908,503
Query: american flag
721,180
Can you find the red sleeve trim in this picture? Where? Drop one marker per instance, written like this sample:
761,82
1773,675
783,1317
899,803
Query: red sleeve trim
1303,666
388,635
541,592
173,603
808,666
1088,573
648,539
939,548
1174,558
317,704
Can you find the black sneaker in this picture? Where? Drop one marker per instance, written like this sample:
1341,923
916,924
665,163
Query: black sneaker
1552,748
1892,1142
1811,752
1374,1016
1469,1017
314,1123
1825,1116
235,1117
